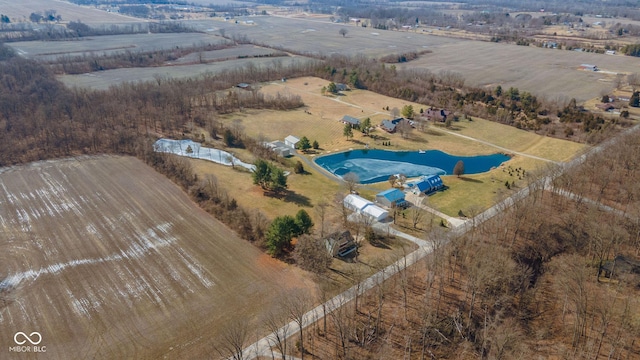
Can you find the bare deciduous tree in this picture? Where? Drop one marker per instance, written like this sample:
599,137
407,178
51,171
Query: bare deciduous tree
297,302
351,181
234,336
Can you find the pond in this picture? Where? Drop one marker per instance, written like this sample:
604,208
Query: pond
377,165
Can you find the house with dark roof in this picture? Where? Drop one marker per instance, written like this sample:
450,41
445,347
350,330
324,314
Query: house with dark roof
341,87
340,244
351,121
605,107
439,115
391,198
391,125
388,126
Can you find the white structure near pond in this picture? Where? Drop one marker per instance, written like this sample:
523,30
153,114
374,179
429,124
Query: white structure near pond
364,206
180,147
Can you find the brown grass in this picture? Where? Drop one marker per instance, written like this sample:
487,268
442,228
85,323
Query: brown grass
118,263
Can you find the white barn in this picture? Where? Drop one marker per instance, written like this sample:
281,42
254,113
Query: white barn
291,141
364,206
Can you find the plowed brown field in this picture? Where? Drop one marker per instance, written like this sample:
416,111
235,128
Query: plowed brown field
106,258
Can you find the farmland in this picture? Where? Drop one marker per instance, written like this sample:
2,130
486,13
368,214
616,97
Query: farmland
101,80
20,11
106,258
549,73
109,44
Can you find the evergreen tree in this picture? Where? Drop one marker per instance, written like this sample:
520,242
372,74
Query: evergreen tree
303,222
347,131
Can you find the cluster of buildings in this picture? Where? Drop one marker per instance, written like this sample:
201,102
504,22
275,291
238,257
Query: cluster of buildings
283,148
392,198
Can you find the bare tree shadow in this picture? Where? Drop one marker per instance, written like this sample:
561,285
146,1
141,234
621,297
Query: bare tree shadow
463,178
298,199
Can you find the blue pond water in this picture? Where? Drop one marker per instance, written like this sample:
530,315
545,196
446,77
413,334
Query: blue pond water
377,165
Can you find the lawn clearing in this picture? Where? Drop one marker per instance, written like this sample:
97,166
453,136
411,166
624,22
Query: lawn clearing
473,193
519,140
108,259
304,190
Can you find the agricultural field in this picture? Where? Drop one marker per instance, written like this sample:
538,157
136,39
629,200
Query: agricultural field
226,54
102,80
108,259
547,73
109,44
19,11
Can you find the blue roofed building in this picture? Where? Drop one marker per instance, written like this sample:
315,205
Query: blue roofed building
427,184
391,198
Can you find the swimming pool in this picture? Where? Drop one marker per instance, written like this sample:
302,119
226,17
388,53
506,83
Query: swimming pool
377,165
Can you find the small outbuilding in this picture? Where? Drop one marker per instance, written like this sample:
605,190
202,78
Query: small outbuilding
391,198
340,244
291,141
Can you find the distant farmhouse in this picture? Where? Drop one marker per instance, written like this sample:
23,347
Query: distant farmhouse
437,115
391,125
342,87
351,121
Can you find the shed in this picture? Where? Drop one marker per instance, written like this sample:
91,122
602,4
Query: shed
340,243
391,198
341,87
291,141
351,121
